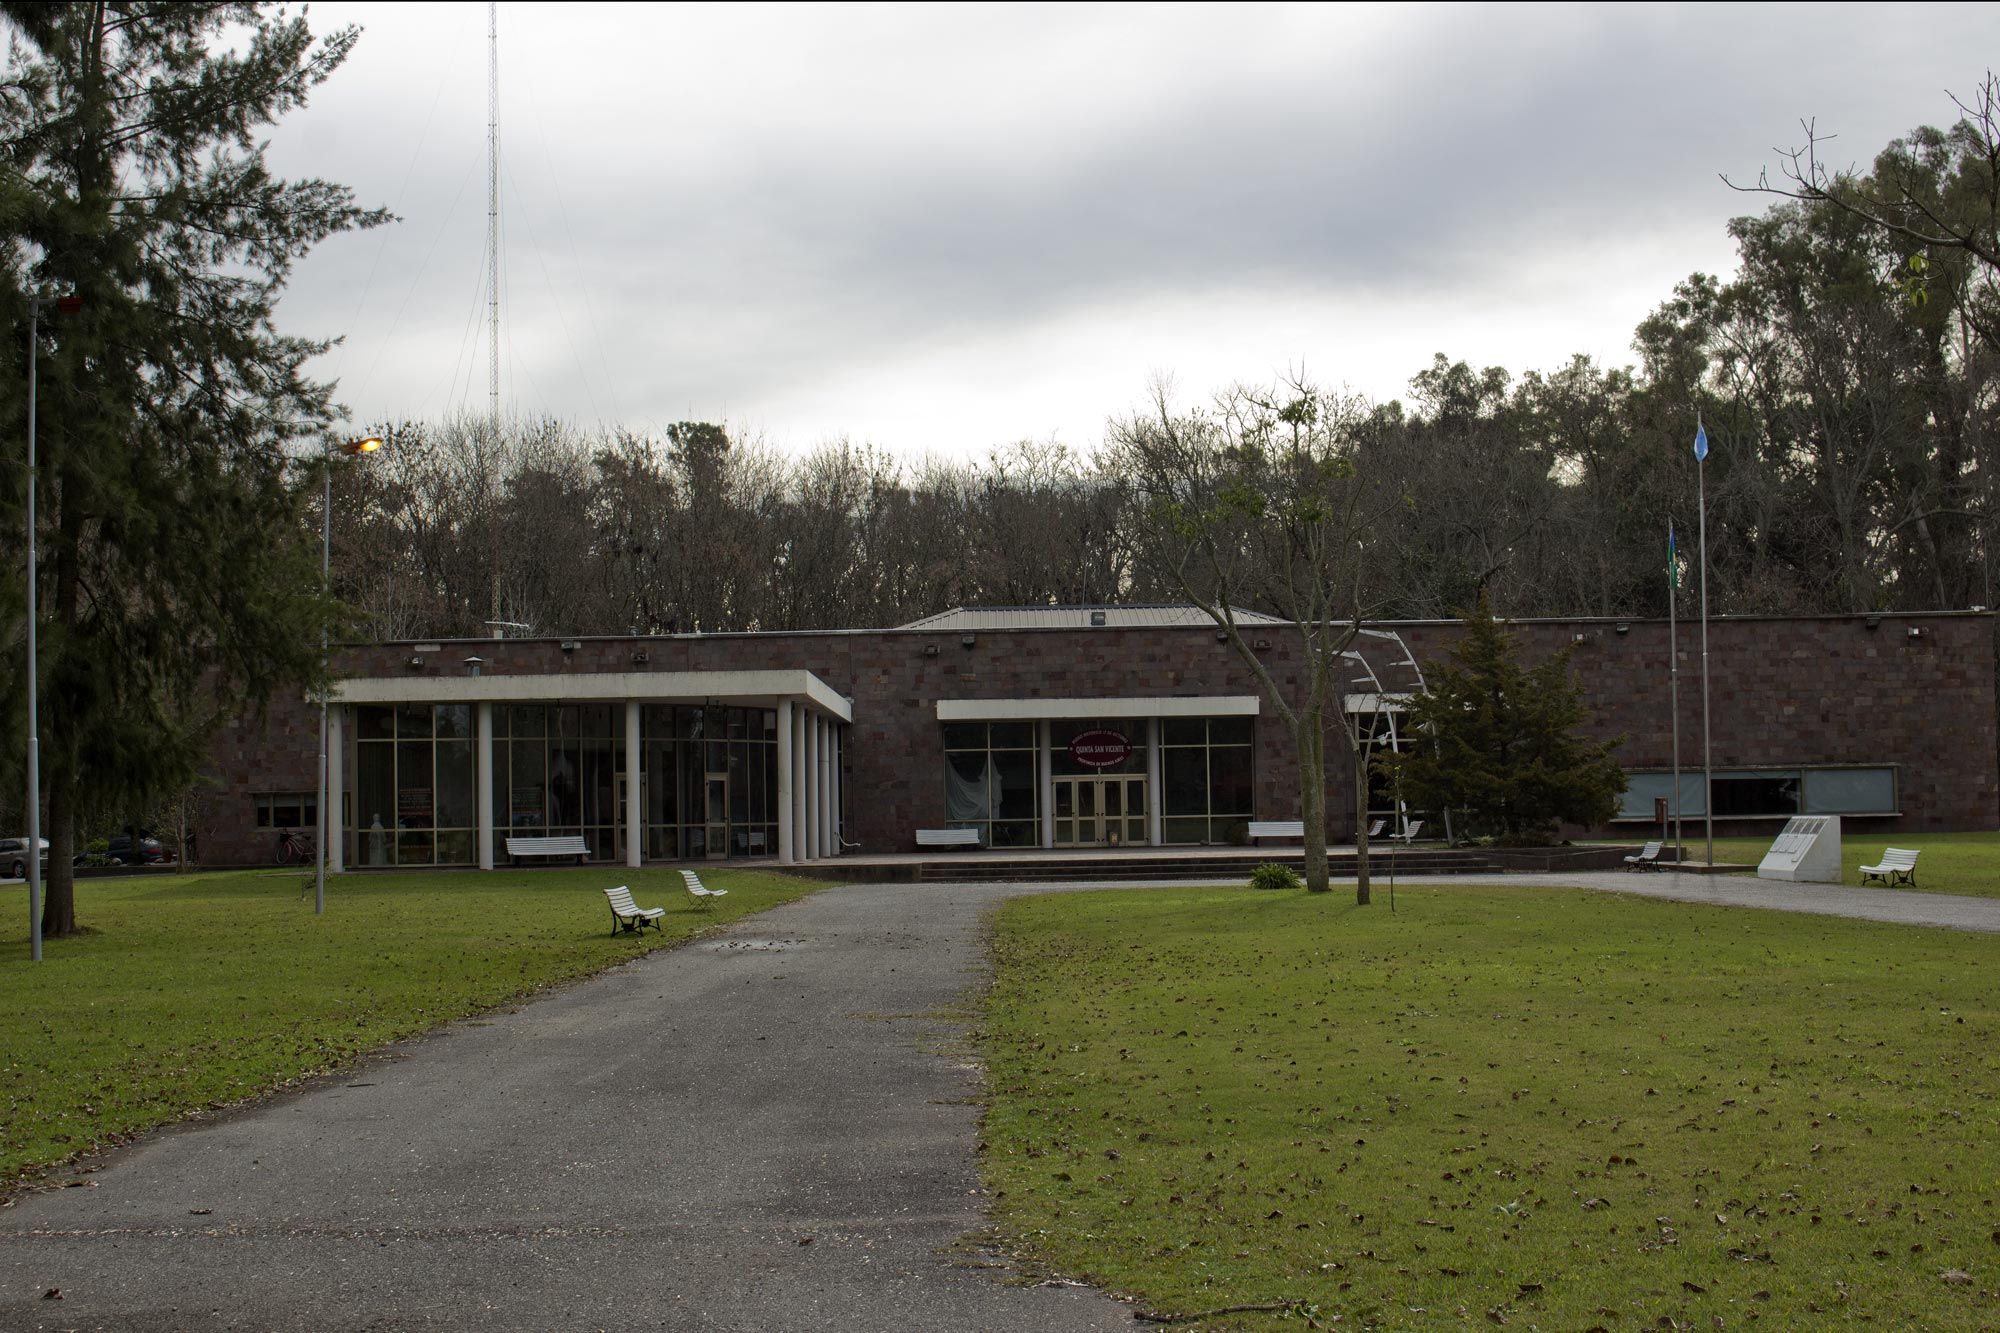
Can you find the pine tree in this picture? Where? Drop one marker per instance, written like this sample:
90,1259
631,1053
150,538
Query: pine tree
178,577
1500,742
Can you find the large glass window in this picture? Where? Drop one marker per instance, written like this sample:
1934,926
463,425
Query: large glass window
990,781
1208,776
555,772
711,778
1762,793
413,786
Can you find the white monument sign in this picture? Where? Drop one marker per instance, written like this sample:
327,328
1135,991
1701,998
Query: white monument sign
1807,850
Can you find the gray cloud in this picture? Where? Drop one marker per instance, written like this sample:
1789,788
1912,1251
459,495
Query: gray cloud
947,228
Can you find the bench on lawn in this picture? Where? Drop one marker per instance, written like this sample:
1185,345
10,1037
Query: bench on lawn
1277,828
1647,859
947,837
628,915
1899,864
570,846
700,892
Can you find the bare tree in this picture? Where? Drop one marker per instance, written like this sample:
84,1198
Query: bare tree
1256,504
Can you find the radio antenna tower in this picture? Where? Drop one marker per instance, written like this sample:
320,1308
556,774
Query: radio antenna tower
493,215
493,286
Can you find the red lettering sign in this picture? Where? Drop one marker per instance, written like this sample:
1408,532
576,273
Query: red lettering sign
1100,749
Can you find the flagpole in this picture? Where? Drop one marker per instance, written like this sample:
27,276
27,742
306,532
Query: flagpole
1674,678
1707,770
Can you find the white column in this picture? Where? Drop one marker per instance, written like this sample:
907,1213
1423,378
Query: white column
336,785
635,805
813,849
1154,787
482,788
801,835
823,793
1045,770
839,737
787,830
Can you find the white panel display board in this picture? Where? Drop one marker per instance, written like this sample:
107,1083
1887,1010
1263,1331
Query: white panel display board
1807,850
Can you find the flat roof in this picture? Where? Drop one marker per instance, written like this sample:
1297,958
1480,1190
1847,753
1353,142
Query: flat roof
1144,615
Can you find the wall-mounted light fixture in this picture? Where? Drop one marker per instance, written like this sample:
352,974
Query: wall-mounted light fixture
472,665
1262,644
1579,638
967,640
640,657
930,650
570,645
1222,636
1916,631
415,663
1096,619
1624,627
1873,622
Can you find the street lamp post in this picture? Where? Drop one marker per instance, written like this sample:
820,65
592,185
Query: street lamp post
69,305
353,449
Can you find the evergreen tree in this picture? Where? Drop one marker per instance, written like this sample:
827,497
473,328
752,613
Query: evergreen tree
1500,742
178,577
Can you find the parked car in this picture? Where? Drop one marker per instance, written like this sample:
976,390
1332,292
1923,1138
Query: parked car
14,857
151,851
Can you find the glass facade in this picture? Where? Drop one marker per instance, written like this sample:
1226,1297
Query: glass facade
1767,793
709,780
1207,788
990,782
556,771
1209,776
413,785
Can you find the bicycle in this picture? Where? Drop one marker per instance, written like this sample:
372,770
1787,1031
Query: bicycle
295,847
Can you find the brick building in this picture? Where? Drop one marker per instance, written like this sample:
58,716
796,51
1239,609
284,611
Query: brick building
1054,727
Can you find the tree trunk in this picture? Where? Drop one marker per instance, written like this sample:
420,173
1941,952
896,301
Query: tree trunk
1312,799
1360,818
59,886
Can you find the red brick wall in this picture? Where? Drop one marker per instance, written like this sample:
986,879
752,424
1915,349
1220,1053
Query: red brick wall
1785,693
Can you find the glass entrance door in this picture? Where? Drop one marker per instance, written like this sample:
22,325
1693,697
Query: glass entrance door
715,814
1100,812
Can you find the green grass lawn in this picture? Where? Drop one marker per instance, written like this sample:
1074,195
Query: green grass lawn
1498,1105
1967,863
197,990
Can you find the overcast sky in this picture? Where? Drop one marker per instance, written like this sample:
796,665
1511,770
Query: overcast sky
945,229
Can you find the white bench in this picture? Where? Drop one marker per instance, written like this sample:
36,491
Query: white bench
1898,864
947,837
628,915
701,893
1647,859
570,846
1278,828
1409,833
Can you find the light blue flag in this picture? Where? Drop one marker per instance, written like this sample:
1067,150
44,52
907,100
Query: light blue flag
1700,443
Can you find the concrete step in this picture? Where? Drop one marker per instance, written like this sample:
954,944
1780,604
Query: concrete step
1111,866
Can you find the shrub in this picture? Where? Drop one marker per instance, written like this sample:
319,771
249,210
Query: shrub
1271,875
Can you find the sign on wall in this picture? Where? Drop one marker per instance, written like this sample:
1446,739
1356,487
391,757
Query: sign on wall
1100,749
